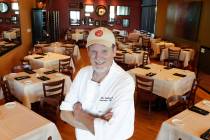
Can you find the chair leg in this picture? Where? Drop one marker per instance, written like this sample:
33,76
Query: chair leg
149,106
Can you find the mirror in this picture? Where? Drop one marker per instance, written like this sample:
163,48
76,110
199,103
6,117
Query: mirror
3,7
9,25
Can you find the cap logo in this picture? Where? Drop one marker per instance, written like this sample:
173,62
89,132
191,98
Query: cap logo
99,33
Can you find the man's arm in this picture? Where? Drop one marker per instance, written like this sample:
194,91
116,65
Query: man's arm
86,118
68,117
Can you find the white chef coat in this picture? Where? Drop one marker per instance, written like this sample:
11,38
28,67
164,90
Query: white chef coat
115,92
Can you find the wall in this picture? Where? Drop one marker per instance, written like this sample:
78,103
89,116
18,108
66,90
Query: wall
63,7
12,58
204,30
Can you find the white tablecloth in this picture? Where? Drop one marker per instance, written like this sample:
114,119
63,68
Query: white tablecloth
133,57
156,46
9,35
165,83
193,126
20,123
77,36
185,55
50,60
30,90
126,45
56,47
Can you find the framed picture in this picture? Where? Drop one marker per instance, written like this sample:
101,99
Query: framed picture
125,22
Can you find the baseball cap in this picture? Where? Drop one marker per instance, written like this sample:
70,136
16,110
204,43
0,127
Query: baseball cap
102,36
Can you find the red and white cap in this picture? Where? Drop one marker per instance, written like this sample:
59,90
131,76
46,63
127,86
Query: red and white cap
102,36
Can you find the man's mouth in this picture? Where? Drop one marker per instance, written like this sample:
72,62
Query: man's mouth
99,62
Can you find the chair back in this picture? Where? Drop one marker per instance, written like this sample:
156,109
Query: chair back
6,90
144,89
119,58
175,104
173,54
65,67
64,64
145,42
190,96
69,50
55,88
144,84
145,58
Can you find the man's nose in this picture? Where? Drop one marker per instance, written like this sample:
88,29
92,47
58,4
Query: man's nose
98,55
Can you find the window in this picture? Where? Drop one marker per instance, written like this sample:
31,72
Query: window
111,13
123,10
125,22
89,8
74,17
15,6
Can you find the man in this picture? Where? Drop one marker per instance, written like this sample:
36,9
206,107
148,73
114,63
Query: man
100,103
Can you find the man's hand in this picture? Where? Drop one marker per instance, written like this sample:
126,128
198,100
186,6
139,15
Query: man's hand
107,116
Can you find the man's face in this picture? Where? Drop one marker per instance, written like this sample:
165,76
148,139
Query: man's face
101,57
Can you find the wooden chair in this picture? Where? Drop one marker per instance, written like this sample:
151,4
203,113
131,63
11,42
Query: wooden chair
69,50
145,58
190,96
144,90
120,60
65,68
175,104
53,95
8,97
146,45
173,58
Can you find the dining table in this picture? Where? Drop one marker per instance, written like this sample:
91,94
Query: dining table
48,60
187,125
27,86
186,54
133,56
59,47
17,122
167,81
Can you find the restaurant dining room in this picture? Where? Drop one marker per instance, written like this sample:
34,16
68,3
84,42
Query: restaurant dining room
104,70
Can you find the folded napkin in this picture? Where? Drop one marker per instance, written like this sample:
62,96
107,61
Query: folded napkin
38,57
178,74
144,67
205,135
29,71
22,77
50,72
199,110
43,78
167,68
